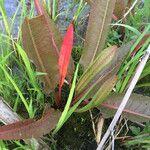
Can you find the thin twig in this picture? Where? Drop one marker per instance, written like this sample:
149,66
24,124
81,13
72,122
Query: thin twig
126,97
93,124
133,5
129,10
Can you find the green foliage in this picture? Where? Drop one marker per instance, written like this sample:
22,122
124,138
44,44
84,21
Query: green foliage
135,130
18,79
141,137
130,64
30,71
146,10
63,117
3,145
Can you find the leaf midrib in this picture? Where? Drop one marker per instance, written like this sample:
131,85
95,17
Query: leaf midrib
38,56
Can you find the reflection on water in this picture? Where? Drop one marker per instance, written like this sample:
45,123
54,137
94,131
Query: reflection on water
10,8
66,12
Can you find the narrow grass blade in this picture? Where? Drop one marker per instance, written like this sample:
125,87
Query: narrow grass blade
67,106
29,69
17,89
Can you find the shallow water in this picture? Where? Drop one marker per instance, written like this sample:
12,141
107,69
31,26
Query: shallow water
66,11
10,7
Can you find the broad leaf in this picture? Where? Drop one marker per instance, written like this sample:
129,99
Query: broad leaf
42,42
102,61
99,20
137,108
101,94
30,128
108,71
7,116
65,55
38,43
120,7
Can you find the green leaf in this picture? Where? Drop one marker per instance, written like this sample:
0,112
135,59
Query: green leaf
29,69
62,119
134,30
146,9
135,130
107,72
101,62
101,94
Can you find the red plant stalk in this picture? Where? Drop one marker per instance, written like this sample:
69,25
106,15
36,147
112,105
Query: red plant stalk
64,58
38,7
115,17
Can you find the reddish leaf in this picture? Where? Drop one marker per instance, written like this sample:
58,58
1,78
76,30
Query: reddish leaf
120,7
98,26
42,42
38,44
38,7
65,54
106,73
115,17
30,128
137,108
141,43
7,116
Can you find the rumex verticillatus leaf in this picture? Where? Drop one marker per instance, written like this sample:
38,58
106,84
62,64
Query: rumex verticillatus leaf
42,42
30,128
137,109
100,17
102,61
100,95
102,75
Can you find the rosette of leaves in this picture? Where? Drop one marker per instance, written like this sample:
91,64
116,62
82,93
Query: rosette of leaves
51,55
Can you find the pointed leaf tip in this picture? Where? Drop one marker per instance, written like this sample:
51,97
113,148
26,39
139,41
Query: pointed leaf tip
65,53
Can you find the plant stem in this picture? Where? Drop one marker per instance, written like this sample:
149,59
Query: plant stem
126,98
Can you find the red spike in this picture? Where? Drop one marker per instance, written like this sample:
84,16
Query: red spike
64,57
38,7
